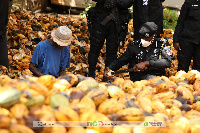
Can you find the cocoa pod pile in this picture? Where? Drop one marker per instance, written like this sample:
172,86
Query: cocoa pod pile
174,100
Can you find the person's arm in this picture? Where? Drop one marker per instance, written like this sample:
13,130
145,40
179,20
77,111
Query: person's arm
164,62
34,70
180,25
123,59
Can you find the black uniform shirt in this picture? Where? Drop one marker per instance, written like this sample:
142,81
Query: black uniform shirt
188,24
149,11
159,57
4,4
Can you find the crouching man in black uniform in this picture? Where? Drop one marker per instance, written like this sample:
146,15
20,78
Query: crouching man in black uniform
148,57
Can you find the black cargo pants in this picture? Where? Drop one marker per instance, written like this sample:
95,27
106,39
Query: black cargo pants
4,51
98,34
188,51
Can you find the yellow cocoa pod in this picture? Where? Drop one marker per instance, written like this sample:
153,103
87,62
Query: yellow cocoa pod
110,106
196,106
33,78
75,95
185,93
18,128
158,107
119,81
155,79
4,131
89,101
4,79
39,88
146,92
131,114
40,112
161,117
71,78
195,128
103,86
5,121
4,111
146,104
175,111
61,84
190,76
99,117
58,99
163,96
172,86
19,111
140,84
85,114
127,85
172,102
180,74
47,80
185,85
162,88
57,128
196,86
134,91
98,96
65,113
182,123
115,91
90,82
192,114
35,101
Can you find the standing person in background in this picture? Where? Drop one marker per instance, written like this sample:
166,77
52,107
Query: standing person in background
4,7
147,11
107,20
187,35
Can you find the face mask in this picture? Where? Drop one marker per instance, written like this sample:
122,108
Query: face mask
145,43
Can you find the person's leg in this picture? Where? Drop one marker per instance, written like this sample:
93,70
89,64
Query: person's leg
111,45
185,55
196,57
96,42
4,51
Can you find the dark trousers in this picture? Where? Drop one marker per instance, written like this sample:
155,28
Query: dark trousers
98,34
4,51
188,51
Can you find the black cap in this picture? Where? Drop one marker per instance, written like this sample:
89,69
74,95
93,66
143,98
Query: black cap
148,29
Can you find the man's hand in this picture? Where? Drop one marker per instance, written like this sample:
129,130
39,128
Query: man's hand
177,46
107,73
141,66
34,70
109,4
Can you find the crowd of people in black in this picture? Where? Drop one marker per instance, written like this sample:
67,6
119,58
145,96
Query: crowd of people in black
148,55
